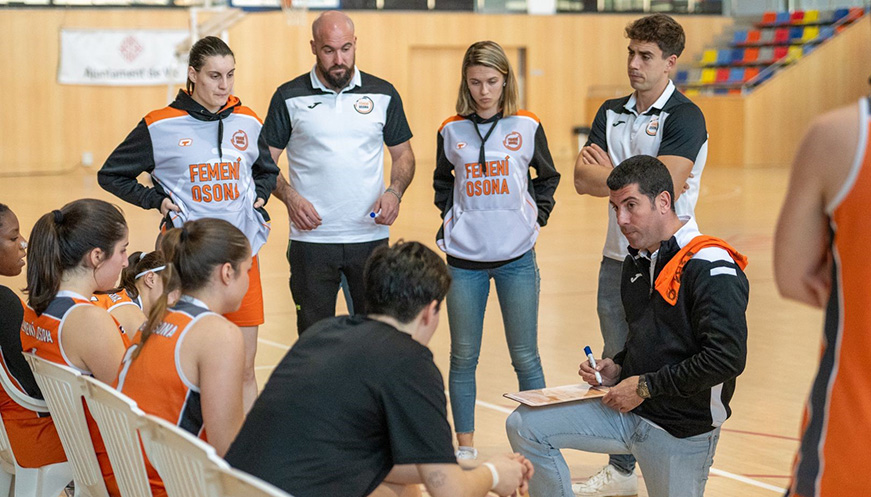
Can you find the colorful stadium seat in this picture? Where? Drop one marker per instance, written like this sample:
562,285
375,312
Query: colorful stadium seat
709,57
753,36
737,56
708,76
781,36
750,73
736,75
780,52
797,17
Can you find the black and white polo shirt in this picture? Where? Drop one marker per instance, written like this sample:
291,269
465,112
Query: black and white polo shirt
335,149
673,125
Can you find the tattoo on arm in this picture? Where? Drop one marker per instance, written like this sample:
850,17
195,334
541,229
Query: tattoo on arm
436,479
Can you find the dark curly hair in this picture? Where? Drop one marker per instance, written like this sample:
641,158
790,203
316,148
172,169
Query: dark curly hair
660,29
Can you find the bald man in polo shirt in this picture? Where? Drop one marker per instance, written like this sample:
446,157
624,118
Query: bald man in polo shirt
334,122
655,120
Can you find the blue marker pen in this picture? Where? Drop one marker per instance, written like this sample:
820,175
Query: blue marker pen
592,359
373,215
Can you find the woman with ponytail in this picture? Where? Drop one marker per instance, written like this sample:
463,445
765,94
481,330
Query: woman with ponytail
33,437
186,363
75,251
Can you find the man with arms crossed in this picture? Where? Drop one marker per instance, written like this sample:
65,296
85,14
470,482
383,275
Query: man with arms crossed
821,259
655,120
357,407
334,122
685,296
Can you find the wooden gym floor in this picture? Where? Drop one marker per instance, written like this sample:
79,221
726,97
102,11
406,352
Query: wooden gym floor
758,442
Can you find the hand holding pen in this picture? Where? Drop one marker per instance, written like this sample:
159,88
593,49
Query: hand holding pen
604,372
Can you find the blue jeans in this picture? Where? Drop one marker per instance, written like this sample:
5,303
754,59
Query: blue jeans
517,285
614,328
672,466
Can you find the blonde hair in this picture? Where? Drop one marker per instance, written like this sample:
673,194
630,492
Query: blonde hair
488,54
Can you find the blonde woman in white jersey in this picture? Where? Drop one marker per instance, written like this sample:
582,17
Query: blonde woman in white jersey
492,212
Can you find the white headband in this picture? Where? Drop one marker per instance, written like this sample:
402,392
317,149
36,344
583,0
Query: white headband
155,270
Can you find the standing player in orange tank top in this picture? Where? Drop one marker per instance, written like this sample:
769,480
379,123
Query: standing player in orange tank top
186,363
820,259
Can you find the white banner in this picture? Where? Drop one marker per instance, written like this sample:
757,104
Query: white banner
121,57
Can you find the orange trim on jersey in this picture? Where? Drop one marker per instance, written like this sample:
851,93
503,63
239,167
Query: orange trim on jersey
248,112
451,120
164,113
844,435
250,312
526,113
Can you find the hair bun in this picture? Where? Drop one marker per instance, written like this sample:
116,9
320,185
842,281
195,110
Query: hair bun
58,216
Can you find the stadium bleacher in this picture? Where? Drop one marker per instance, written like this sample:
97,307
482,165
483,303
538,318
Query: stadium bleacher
755,52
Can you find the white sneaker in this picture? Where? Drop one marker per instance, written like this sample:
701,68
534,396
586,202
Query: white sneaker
608,482
467,453
467,457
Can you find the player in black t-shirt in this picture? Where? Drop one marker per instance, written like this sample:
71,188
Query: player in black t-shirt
357,407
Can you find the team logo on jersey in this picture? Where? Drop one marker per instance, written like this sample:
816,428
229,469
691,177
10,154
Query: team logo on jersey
364,105
653,126
461,145
513,141
240,140
185,142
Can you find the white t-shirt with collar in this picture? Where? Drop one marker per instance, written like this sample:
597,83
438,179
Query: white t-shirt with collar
335,150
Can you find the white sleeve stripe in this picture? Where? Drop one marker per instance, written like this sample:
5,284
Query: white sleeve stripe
723,270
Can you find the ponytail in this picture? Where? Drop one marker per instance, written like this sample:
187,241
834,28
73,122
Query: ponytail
61,239
192,252
138,263
158,310
44,267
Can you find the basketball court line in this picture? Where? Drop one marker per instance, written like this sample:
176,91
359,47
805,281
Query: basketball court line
273,344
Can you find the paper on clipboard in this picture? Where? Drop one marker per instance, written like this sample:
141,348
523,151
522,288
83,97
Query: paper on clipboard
557,395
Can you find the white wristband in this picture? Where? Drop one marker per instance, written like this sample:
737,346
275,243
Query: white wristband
494,473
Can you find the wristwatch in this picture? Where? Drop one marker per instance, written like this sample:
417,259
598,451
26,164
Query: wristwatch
641,390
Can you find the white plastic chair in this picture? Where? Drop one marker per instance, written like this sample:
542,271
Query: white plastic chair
182,460
119,418
46,481
62,390
234,483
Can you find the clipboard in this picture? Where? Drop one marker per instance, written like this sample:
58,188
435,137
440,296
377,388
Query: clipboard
558,395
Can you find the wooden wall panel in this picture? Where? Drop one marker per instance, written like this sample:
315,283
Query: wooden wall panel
779,111
47,126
